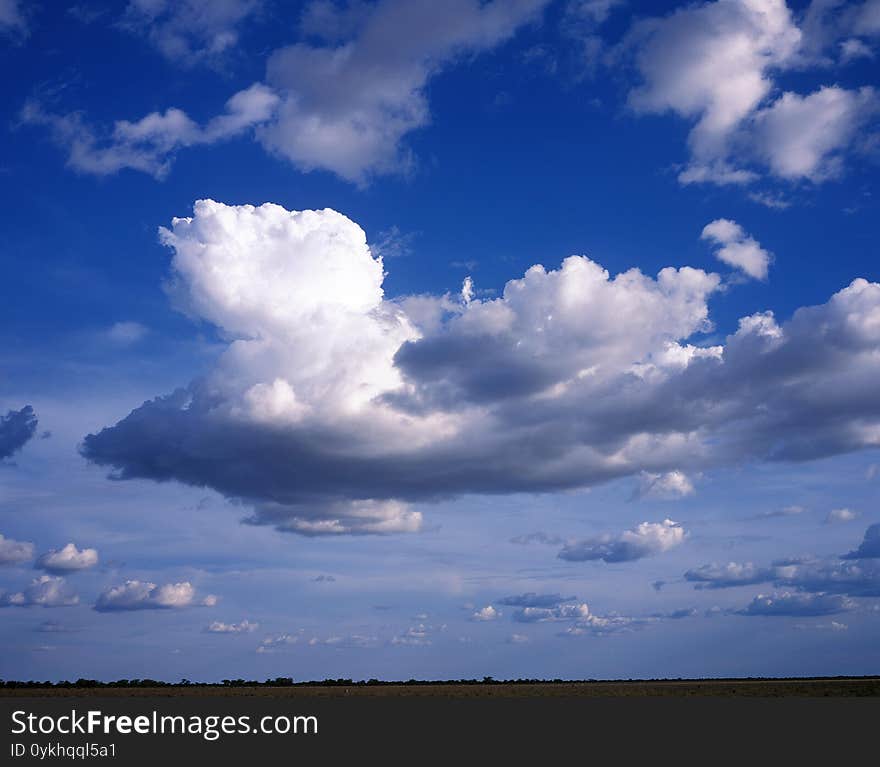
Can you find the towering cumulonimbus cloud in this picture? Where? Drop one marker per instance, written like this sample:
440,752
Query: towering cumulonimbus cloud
334,408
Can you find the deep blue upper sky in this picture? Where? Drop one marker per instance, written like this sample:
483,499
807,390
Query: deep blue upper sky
531,131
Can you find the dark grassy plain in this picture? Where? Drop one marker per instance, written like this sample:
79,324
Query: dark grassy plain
488,688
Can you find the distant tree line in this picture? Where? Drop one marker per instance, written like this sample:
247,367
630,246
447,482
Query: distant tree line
281,681
286,681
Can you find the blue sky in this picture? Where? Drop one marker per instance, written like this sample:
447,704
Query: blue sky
393,446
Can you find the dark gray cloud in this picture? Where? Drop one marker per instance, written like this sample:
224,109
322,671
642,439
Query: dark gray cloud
54,627
538,537
789,604
787,511
725,576
856,574
551,608
16,428
532,599
869,547
604,625
677,615
854,579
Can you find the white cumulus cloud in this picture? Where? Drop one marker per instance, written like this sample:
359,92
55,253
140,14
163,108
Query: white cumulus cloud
487,613
334,409
644,540
667,486
45,591
150,143
712,63
841,515
349,100
126,333
414,636
552,614
715,64
716,576
143,595
242,627
13,22
67,559
788,604
14,552
736,248
341,99
190,31
277,642
807,137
